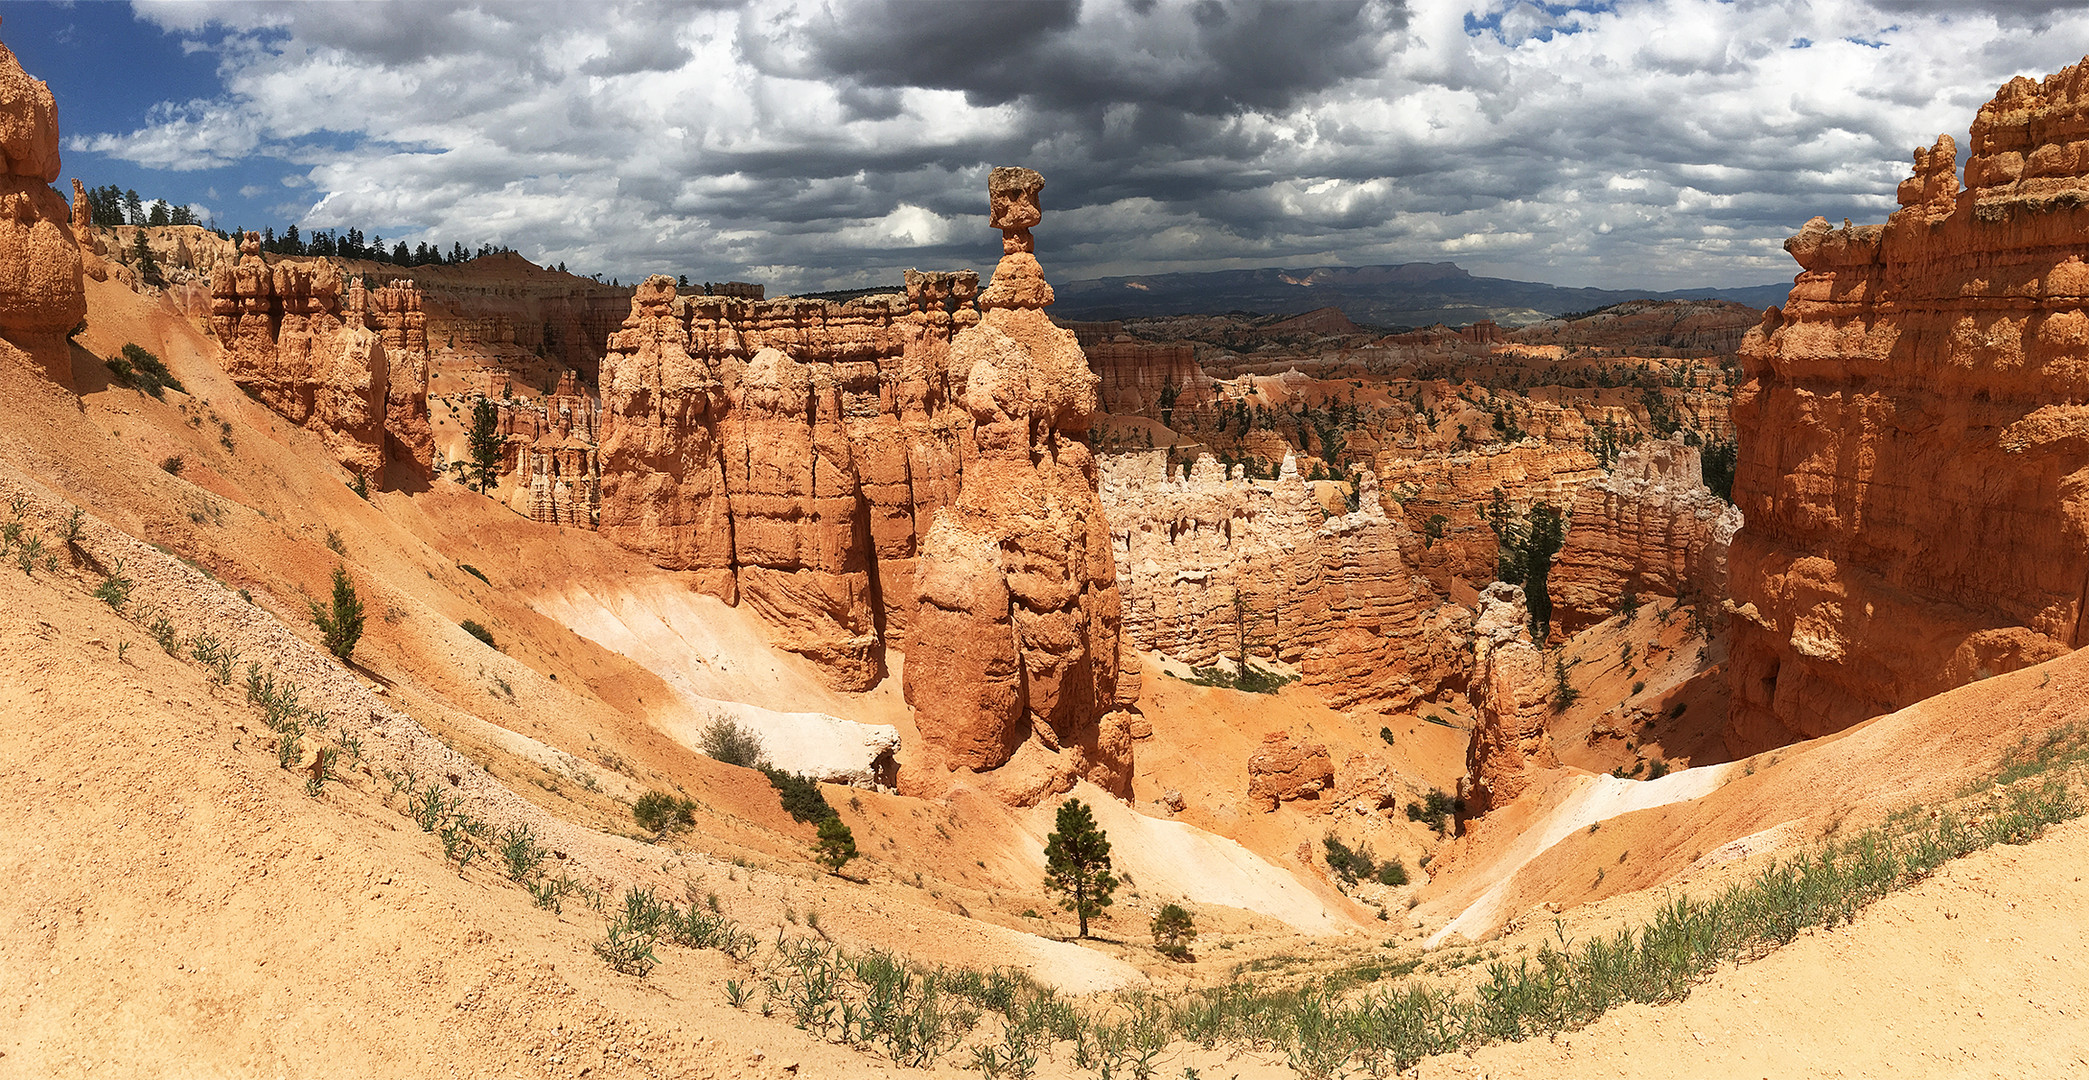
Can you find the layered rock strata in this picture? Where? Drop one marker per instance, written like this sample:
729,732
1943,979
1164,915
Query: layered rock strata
1649,528
1511,703
42,294
1914,436
352,368
1210,565
550,444
891,472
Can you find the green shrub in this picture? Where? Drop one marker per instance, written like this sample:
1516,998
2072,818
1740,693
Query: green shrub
836,845
659,812
1347,864
1392,872
801,797
139,368
472,627
475,572
1173,931
1436,810
726,740
341,624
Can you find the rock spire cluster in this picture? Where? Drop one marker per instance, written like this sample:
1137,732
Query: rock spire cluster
351,364
894,472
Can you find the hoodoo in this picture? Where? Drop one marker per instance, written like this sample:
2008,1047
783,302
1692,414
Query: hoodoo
1914,431
1015,641
42,296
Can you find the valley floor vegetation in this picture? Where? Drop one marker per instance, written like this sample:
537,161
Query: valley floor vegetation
1371,1018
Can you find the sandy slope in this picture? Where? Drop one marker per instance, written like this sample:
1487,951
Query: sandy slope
1980,971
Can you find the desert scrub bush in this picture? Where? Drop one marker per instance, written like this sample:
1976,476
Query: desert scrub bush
626,950
522,858
800,796
341,622
1392,872
658,812
32,549
472,627
163,635
215,656
1173,931
430,807
1348,864
727,740
463,838
1436,810
475,572
142,371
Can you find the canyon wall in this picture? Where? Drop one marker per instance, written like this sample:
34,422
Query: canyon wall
1205,560
1914,434
1650,527
350,365
42,294
895,472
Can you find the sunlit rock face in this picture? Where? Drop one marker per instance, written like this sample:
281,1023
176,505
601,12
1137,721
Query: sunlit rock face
1914,429
42,294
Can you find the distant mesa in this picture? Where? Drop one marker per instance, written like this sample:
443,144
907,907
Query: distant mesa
1401,295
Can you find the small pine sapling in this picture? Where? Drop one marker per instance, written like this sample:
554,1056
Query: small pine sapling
340,624
836,845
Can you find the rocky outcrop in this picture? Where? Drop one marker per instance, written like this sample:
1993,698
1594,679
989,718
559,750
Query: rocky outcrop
1284,769
1159,382
1015,636
1650,528
1510,698
42,295
891,472
1205,560
801,534
353,369
555,454
1913,447
1445,499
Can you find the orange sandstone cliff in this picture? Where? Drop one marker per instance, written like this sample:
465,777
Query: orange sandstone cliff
895,472
1649,528
1914,435
1211,564
350,364
42,296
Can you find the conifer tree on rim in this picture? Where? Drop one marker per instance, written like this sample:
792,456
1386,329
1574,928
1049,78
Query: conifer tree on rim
1077,863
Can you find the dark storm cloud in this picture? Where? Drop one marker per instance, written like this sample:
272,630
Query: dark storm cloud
815,144
1210,58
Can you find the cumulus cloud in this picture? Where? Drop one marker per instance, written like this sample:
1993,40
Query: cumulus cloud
825,144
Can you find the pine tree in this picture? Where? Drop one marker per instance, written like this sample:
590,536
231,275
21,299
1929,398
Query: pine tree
1077,863
836,846
341,625
485,443
148,267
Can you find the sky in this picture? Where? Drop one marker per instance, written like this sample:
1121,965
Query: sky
821,144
